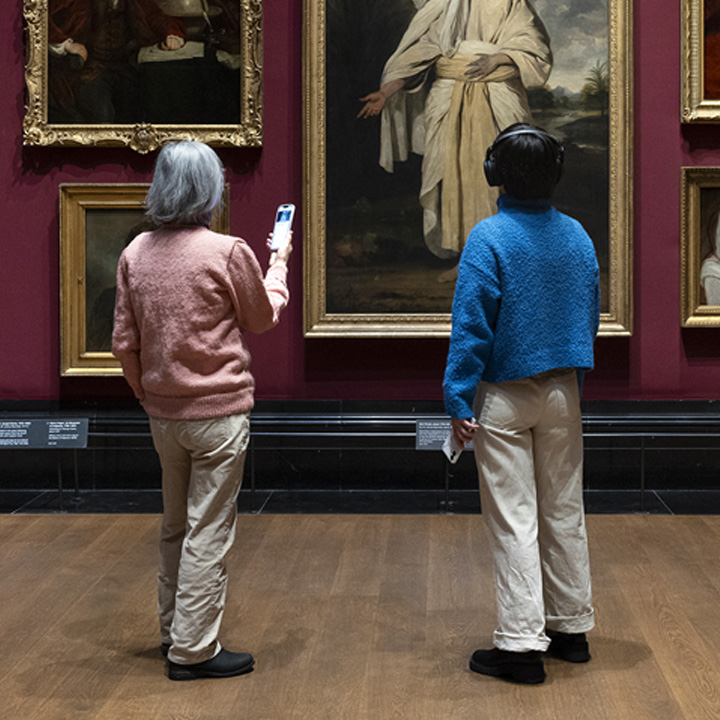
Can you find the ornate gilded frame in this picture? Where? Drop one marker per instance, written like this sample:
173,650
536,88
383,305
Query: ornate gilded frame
141,137
318,322
695,107
77,201
696,182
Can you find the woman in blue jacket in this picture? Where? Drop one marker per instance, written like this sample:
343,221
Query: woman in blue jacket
525,314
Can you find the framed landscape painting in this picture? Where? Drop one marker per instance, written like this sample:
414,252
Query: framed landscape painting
139,73
97,221
379,196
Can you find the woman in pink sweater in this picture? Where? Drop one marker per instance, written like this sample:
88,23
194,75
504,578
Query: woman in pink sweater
185,295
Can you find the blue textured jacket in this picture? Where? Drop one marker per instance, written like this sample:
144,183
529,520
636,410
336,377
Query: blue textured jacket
527,300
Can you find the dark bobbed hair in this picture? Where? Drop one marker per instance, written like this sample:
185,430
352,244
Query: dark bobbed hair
187,185
529,164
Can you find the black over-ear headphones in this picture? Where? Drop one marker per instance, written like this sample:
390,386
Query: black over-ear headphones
492,171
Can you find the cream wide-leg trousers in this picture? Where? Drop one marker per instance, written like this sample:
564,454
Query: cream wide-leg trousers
202,466
529,455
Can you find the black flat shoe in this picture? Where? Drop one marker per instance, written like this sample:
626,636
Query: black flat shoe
571,647
522,667
225,664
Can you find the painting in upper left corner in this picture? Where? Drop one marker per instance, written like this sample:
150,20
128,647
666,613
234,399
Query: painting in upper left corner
140,73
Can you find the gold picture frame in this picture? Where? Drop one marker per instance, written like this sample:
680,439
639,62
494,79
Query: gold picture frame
699,103
322,249
96,222
63,108
700,263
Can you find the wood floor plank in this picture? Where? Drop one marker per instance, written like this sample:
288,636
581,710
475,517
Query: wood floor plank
284,617
335,686
44,586
690,572
623,671
12,528
364,553
690,670
395,678
290,634
73,623
357,617
460,564
31,540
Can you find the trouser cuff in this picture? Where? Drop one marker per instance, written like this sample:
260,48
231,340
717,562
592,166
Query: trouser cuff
579,624
182,658
520,643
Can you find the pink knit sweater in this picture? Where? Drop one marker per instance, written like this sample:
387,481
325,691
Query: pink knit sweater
184,296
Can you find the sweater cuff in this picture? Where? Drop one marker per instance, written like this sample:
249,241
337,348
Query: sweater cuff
456,407
279,268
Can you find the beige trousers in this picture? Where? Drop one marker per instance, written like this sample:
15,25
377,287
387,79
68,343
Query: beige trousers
529,455
202,466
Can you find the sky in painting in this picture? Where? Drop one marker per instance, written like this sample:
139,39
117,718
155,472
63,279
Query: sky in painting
578,32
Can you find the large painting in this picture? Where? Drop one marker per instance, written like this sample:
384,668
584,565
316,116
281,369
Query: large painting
385,217
700,277
97,221
701,61
139,73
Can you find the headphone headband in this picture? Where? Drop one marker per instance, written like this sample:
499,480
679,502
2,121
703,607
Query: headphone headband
524,131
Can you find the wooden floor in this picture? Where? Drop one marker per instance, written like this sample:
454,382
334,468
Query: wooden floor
360,617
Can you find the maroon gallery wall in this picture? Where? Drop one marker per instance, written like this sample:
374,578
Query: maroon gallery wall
660,361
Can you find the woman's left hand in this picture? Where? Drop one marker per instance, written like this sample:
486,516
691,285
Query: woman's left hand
463,430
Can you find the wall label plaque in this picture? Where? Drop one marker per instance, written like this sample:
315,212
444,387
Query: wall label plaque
58,433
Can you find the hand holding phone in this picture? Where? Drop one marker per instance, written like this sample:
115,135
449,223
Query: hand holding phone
283,225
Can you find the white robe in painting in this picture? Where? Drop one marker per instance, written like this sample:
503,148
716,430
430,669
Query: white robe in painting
453,122
710,278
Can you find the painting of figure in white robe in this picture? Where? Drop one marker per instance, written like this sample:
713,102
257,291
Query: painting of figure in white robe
416,91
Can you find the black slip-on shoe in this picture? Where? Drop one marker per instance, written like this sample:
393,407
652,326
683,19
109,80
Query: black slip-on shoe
522,667
572,647
225,664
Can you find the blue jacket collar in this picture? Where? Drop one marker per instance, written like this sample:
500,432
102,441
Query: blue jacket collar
505,202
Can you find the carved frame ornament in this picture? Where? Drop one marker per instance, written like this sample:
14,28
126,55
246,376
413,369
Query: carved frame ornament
695,106
142,137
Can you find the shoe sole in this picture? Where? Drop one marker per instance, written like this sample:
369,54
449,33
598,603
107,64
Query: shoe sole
179,674
527,674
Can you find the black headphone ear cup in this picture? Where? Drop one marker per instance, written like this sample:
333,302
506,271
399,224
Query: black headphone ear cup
491,169
559,162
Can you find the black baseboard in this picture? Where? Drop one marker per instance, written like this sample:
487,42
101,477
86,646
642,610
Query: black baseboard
639,456
407,502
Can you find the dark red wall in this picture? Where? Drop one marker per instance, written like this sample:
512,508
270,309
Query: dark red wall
661,361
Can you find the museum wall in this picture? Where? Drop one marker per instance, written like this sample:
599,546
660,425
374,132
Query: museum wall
659,361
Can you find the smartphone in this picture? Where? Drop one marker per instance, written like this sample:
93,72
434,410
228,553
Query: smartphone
283,225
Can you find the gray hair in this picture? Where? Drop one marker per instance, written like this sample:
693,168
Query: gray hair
187,185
